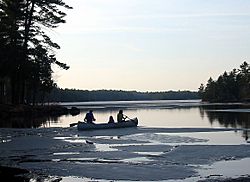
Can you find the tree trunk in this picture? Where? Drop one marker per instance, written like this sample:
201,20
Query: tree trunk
28,21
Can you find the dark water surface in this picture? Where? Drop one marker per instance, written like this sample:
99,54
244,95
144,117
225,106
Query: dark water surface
166,114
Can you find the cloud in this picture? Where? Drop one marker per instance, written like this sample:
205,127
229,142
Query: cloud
120,29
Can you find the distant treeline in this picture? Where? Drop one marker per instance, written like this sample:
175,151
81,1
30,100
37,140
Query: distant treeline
231,86
73,95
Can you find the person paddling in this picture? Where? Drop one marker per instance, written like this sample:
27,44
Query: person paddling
120,116
89,118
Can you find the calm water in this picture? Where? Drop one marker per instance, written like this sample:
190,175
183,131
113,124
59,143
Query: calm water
167,114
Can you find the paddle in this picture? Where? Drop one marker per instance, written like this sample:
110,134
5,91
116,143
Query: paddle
127,117
72,124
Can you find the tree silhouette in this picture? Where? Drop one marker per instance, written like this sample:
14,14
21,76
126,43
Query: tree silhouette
232,86
26,51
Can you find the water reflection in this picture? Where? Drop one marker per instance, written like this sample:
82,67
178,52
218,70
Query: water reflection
229,116
28,122
161,114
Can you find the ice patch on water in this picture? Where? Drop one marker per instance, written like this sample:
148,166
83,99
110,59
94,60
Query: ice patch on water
66,153
151,153
141,154
226,169
164,138
216,138
137,160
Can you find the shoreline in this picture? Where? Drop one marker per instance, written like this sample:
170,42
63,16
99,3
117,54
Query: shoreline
9,110
26,116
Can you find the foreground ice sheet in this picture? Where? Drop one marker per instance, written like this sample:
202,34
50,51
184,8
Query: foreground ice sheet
144,154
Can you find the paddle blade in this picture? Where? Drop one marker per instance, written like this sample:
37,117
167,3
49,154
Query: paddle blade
72,124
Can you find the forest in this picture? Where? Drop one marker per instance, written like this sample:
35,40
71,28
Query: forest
27,53
74,95
230,86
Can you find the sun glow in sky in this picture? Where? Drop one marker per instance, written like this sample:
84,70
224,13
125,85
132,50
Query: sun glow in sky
151,45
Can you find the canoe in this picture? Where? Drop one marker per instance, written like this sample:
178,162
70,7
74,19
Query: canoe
90,126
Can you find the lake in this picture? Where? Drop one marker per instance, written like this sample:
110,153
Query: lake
177,140
158,114
163,114
173,113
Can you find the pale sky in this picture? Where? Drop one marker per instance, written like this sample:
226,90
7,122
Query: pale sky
151,45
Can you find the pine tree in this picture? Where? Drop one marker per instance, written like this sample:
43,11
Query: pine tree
232,86
26,51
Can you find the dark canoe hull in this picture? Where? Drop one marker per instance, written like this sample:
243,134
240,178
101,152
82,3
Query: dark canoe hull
88,126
